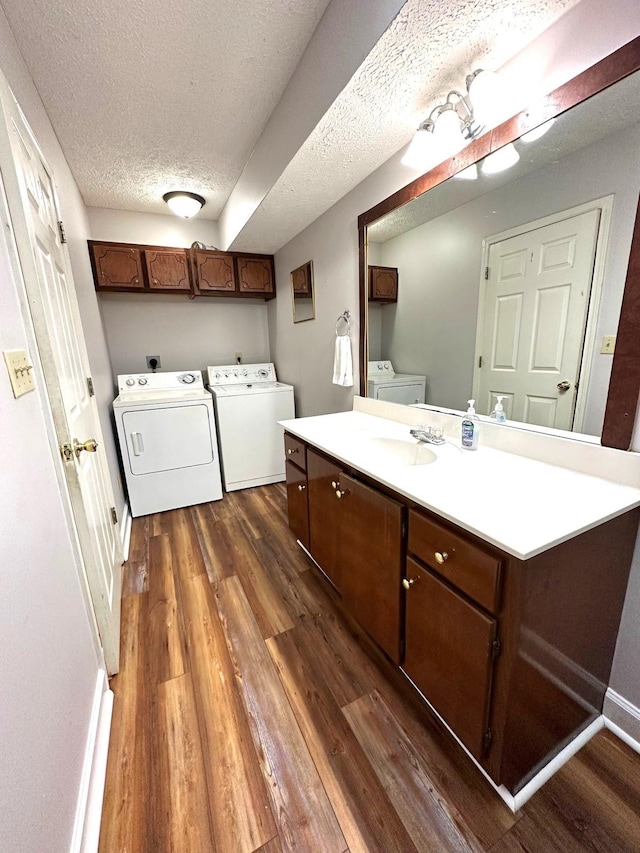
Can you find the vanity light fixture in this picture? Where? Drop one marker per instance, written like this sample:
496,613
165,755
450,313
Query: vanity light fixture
461,118
184,203
500,160
537,132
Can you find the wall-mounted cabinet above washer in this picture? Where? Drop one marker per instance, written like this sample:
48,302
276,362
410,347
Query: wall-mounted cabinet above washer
136,268
383,284
232,274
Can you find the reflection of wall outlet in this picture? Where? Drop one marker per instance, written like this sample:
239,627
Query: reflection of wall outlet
608,345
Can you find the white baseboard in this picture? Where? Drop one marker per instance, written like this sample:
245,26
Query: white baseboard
125,530
86,830
622,718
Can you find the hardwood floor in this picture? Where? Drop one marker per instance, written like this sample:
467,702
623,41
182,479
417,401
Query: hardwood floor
251,714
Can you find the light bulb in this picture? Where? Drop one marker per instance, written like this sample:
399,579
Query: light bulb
487,98
500,160
537,132
448,129
420,148
468,174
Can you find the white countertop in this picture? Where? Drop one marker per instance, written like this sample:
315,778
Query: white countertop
521,505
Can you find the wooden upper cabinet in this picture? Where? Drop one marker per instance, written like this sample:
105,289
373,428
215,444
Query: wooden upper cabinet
167,269
117,266
133,268
213,272
383,284
301,281
256,275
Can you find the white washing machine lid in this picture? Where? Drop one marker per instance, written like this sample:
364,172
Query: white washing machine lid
397,379
225,391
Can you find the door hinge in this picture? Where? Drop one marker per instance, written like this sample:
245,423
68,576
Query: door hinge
488,737
486,273
63,236
496,647
114,515
479,361
90,386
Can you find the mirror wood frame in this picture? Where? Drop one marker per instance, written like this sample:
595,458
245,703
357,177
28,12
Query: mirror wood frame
624,385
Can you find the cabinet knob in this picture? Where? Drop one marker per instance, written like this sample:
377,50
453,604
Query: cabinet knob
291,451
441,557
334,484
341,494
301,488
407,583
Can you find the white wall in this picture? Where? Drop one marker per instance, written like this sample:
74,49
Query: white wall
48,662
582,36
432,330
185,333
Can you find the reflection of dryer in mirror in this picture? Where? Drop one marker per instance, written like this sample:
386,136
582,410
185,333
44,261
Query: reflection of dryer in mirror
385,384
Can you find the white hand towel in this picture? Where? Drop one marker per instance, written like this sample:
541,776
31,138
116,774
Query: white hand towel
342,365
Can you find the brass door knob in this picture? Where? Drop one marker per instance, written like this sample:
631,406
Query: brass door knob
563,386
407,583
90,445
441,557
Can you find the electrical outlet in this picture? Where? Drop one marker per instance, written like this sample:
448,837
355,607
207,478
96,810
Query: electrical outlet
238,357
153,362
608,345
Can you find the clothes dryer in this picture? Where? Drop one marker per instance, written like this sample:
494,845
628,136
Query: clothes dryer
168,443
383,383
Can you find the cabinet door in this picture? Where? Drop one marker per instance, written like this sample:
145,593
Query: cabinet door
325,515
167,269
214,273
383,284
255,276
297,503
449,655
117,266
301,281
371,558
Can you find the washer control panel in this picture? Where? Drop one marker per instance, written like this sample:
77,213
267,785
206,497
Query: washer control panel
241,374
177,382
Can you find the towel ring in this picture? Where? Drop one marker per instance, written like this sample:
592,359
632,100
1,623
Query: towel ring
345,317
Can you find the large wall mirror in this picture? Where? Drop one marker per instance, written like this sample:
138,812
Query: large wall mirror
512,282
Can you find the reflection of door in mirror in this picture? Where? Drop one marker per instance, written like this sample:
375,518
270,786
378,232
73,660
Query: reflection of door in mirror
302,293
436,242
535,296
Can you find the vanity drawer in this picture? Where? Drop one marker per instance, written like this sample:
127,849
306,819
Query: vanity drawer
295,451
471,569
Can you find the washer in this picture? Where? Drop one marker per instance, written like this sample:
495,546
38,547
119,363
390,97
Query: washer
167,434
249,402
383,383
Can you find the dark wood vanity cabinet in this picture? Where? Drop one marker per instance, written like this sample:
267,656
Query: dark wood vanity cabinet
297,488
514,655
356,538
383,284
232,274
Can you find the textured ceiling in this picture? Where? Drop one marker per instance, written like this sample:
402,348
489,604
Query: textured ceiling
427,50
151,95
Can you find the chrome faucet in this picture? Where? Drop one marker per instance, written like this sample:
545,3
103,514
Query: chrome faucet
428,434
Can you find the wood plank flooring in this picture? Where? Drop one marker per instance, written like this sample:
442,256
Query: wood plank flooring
252,714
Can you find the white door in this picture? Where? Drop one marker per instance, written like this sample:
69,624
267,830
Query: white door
534,317
54,309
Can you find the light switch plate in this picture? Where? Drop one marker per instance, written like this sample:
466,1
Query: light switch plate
20,371
608,345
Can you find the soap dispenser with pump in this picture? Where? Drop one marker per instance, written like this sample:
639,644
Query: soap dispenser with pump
498,413
470,428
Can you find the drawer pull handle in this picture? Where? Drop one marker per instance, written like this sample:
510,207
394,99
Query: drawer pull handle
301,488
441,557
291,451
407,583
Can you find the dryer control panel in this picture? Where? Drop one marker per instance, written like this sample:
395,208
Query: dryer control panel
241,374
176,382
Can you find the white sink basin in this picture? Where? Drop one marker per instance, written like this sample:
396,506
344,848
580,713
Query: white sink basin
400,452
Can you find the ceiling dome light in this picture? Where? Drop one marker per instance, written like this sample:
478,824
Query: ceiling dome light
500,160
184,203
